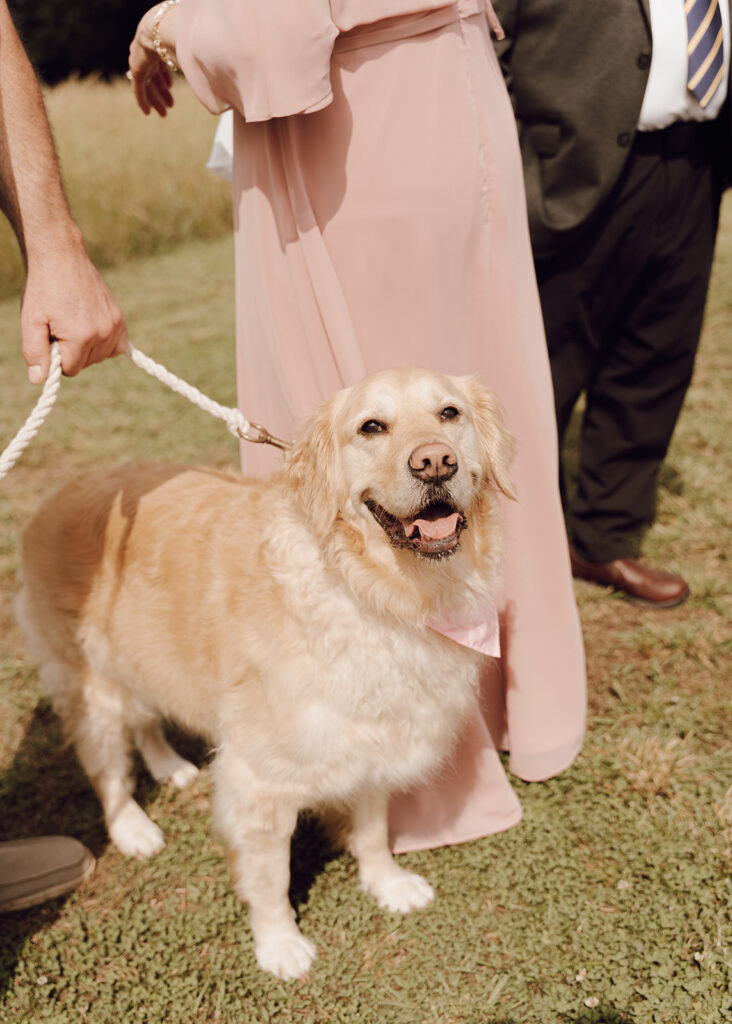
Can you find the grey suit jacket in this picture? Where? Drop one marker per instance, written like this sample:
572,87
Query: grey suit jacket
577,73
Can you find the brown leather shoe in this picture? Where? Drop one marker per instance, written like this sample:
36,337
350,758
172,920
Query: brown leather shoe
641,584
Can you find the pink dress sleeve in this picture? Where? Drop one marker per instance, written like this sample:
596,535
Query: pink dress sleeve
264,58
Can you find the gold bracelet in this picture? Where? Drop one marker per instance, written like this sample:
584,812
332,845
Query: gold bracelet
157,45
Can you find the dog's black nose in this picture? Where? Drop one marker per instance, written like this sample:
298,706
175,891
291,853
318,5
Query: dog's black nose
433,463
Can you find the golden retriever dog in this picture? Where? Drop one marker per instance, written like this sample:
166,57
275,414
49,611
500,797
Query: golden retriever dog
284,619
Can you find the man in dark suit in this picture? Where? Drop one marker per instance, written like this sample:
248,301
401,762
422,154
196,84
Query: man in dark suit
624,121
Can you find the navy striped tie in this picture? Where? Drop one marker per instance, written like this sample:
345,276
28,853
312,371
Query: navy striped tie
706,52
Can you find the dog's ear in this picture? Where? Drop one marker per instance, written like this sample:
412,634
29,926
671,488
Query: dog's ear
311,470
497,444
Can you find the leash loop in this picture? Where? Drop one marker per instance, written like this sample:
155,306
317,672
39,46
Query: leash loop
37,417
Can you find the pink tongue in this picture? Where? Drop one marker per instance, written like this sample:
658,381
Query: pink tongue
433,529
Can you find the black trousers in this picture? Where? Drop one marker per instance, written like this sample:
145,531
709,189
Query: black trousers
623,306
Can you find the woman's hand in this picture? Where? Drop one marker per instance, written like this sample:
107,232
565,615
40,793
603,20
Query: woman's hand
151,78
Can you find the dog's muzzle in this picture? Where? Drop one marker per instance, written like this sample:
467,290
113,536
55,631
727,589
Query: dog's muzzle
433,532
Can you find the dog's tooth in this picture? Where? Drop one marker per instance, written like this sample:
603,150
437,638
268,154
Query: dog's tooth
410,528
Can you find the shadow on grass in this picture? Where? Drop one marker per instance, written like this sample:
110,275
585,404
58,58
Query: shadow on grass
603,1015
46,792
311,850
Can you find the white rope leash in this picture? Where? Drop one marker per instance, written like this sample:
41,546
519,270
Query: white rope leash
236,422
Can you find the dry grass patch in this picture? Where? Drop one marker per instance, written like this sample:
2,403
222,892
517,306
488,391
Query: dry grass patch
136,185
658,768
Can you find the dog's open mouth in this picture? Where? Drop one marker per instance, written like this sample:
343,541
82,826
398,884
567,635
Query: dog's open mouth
434,532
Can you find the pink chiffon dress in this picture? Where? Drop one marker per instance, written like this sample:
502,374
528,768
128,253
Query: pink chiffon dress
380,221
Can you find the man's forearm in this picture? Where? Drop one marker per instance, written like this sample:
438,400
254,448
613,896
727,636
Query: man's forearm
31,193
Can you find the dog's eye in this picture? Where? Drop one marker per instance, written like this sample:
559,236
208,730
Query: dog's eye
449,413
372,427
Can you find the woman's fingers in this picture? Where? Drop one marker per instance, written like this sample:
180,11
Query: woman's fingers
151,78
152,91
158,90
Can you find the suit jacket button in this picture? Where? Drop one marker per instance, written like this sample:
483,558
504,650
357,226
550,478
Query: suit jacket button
624,139
644,61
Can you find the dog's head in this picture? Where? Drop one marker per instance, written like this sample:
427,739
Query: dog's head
406,458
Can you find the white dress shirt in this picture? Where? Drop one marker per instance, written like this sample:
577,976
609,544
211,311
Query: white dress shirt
666,98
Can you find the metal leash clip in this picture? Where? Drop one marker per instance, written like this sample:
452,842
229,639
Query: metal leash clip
264,437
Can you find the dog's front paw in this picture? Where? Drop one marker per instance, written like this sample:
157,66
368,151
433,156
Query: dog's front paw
286,954
183,775
134,834
401,892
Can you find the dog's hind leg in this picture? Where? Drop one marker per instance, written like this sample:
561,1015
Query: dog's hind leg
95,714
100,733
393,887
257,825
163,763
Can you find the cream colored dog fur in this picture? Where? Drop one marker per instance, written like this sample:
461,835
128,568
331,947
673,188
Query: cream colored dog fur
285,620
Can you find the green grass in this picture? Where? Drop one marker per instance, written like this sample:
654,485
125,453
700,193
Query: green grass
609,903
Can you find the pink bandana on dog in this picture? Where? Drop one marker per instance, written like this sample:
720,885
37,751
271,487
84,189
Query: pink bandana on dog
482,633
